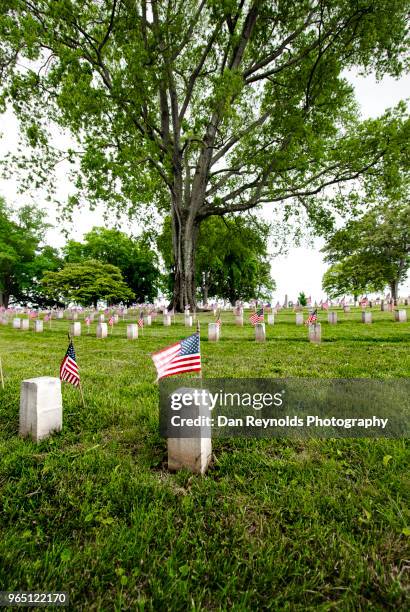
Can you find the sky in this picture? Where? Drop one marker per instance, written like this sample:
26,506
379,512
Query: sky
301,269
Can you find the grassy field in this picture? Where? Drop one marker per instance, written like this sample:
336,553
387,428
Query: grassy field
274,524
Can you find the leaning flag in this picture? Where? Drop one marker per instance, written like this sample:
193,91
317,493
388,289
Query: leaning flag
218,320
257,317
87,320
311,318
111,321
69,368
141,320
183,356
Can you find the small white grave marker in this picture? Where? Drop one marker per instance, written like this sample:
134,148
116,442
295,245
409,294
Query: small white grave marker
213,332
366,317
192,454
315,333
16,323
38,326
25,324
132,331
76,328
332,318
299,318
102,330
260,335
167,320
41,407
271,319
400,316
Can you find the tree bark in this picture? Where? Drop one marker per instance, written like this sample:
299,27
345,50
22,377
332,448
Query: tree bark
4,299
394,289
185,233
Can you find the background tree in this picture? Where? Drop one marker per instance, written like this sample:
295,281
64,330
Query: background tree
372,251
22,257
134,257
350,277
201,107
302,300
86,283
232,259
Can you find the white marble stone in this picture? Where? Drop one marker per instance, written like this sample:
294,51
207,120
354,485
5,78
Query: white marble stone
167,320
239,320
16,323
271,319
188,321
147,320
299,318
102,330
260,334
75,328
315,333
41,407
193,454
38,326
213,332
332,318
132,331
366,317
25,324
400,316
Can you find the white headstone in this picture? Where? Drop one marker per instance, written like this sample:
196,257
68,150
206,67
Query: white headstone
271,319
400,316
315,333
147,320
332,318
213,332
25,324
366,317
60,314
76,328
193,454
239,320
167,320
102,330
260,335
115,317
74,315
38,326
299,318
188,321
16,323
132,331
41,407
346,308
101,318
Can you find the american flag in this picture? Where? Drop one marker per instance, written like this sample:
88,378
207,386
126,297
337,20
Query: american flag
311,318
87,320
141,320
218,320
364,302
257,317
69,368
183,356
47,317
325,305
111,321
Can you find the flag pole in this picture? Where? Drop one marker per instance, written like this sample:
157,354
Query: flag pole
198,331
1,374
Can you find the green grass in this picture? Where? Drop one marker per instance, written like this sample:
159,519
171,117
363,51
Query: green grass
274,524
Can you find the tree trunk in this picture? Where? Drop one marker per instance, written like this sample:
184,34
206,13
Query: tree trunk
394,289
4,299
185,232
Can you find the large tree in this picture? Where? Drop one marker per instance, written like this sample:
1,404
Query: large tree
373,250
23,257
86,283
134,257
201,107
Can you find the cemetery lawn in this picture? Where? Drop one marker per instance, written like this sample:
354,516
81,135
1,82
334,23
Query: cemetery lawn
274,524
